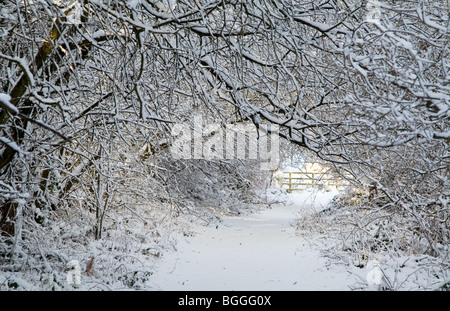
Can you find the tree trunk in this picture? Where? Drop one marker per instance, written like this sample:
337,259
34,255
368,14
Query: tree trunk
7,217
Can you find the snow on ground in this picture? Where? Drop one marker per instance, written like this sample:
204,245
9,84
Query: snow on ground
256,251
267,249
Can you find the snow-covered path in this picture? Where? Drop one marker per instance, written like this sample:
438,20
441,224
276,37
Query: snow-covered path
254,252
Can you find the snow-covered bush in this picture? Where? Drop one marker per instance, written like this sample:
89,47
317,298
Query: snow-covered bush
227,185
400,99
89,93
359,227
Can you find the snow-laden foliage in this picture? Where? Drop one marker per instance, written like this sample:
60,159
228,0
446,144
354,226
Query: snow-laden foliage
400,96
90,92
358,231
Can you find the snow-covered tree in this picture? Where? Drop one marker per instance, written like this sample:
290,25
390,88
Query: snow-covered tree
91,89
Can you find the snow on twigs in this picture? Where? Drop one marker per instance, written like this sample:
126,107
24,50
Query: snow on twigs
5,103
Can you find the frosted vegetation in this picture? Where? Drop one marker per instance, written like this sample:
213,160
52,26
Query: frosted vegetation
90,91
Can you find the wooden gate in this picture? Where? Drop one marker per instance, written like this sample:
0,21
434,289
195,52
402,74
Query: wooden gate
298,181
